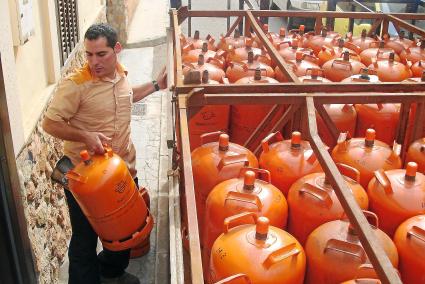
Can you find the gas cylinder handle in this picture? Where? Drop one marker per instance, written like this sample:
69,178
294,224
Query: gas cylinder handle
71,174
374,44
314,72
187,47
284,42
281,254
240,64
381,53
238,218
342,62
352,46
349,171
372,218
416,232
213,60
234,159
309,155
328,49
210,135
348,248
365,266
311,58
275,136
260,173
233,277
220,54
245,198
383,180
316,192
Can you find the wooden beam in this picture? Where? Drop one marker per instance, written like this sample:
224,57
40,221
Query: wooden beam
233,27
281,122
274,54
182,14
328,122
382,265
194,244
295,98
265,122
374,26
418,125
177,48
317,88
406,25
402,127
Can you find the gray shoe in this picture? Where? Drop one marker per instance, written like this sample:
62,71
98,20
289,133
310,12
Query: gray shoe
126,278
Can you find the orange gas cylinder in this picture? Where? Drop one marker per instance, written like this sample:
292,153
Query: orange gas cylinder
335,254
363,281
344,116
366,75
396,195
243,194
108,196
314,192
363,41
144,246
279,75
244,119
215,73
287,160
338,69
235,41
314,75
213,163
377,51
241,53
210,118
390,70
329,53
416,153
381,117
191,55
316,42
197,41
302,63
281,37
288,50
414,54
399,43
418,68
257,254
367,155
410,242
238,70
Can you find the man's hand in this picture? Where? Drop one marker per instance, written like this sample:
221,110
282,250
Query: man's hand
94,142
162,79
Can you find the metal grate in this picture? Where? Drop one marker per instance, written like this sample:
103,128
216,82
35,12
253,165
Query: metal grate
67,27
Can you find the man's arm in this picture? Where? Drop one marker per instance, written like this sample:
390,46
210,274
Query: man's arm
64,131
144,90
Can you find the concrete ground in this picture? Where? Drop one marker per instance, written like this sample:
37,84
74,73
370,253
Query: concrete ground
149,130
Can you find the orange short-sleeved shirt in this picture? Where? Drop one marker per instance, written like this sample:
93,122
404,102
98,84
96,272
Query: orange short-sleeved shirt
92,104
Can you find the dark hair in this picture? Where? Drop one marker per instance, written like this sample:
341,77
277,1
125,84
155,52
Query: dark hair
102,30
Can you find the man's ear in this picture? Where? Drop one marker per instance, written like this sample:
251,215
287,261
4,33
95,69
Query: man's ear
118,47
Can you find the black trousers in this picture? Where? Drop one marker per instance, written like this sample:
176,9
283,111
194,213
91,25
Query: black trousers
85,265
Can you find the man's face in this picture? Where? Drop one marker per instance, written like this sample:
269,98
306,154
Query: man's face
101,58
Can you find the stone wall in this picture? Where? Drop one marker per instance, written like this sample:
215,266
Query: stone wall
119,15
44,202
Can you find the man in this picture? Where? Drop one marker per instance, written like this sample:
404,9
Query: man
91,107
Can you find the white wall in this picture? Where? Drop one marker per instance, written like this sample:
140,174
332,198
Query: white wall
10,78
34,67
